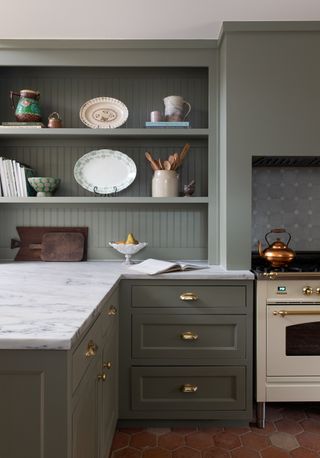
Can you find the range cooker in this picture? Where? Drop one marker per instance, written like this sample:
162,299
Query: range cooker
287,331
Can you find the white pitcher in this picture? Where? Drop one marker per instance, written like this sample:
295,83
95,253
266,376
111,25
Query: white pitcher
175,108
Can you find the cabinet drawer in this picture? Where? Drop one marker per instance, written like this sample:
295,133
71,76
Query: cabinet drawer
110,313
188,388
88,351
175,296
188,336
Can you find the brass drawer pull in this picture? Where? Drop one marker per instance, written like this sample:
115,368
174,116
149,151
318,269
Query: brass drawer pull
189,297
107,365
91,349
284,313
189,335
188,388
112,310
102,377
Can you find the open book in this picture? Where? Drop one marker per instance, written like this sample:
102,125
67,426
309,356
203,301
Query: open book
156,266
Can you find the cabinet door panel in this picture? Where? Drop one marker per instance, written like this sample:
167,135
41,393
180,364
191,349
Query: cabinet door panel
230,296
171,388
188,336
85,416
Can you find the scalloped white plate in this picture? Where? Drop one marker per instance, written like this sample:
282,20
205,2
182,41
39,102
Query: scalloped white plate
103,113
105,171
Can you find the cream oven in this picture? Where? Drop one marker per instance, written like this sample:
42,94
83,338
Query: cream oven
287,339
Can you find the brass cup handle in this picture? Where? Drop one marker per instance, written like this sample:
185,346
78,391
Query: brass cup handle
188,388
189,296
189,335
91,349
112,310
107,365
102,377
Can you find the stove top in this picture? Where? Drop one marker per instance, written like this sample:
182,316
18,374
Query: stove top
305,265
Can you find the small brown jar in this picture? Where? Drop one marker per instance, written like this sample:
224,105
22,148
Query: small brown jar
54,121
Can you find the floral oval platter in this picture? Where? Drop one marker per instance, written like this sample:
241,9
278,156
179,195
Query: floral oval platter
103,113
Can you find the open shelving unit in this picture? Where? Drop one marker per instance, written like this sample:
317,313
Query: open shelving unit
176,228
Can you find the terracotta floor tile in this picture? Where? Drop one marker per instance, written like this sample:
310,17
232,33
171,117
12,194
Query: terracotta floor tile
156,453
245,452
159,431
311,425
288,426
186,452
211,430
284,440
304,453
120,440
314,413
130,430
170,441
126,453
143,439
274,452
215,452
184,431
238,431
294,414
254,441
227,440
274,411
199,440
309,440
269,429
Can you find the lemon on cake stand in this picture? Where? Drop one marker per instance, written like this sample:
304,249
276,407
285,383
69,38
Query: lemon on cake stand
128,247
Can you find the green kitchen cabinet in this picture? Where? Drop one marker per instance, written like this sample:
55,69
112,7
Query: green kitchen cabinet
186,350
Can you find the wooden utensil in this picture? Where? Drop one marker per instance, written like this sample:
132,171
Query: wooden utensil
160,164
34,235
171,159
183,153
153,163
167,165
176,160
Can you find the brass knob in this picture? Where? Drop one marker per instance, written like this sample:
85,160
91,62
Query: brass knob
189,335
188,388
112,310
102,377
317,290
189,296
91,349
307,290
107,365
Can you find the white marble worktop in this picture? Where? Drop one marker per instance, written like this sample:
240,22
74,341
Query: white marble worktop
48,305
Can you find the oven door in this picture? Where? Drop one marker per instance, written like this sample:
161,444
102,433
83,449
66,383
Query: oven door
293,340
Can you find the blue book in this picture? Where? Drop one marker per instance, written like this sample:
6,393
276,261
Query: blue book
170,124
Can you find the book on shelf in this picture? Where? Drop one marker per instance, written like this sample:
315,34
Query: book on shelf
14,179
28,125
169,124
156,266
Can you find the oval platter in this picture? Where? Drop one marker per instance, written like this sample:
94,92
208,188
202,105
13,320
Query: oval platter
103,113
105,171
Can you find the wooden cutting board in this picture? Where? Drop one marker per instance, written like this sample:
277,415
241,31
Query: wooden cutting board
36,245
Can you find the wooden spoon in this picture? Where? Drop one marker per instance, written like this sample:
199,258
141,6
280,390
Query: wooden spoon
171,159
184,152
176,160
167,165
153,163
160,164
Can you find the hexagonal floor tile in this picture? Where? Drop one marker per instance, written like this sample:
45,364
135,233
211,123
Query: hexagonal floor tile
227,440
284,441
288,426
254,441
170,441
186,452
156,453
309,440
199,440
127,452
143,439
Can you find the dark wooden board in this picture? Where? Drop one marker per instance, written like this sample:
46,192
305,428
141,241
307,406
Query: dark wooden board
30,235
62,247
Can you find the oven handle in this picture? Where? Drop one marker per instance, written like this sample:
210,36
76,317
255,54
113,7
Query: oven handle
284,313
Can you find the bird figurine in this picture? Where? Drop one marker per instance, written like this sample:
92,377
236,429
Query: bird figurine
189,189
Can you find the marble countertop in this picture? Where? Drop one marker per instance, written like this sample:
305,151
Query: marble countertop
49,305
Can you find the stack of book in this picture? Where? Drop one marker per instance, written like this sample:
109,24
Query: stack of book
14,179
168,124
27,125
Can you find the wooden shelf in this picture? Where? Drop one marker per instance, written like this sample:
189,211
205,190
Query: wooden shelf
104,200
102,133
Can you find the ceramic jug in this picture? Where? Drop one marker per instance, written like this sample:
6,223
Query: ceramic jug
176,108
28,108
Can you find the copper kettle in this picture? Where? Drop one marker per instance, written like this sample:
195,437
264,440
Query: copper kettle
278,253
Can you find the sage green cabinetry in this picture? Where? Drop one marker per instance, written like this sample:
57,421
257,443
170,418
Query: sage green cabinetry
57,403
186,350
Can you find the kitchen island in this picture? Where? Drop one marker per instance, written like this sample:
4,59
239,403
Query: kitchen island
59,349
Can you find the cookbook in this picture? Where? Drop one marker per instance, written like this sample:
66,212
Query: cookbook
156,266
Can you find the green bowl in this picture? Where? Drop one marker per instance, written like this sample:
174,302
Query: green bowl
44,186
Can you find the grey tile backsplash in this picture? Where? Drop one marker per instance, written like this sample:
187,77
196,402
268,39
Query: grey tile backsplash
287,197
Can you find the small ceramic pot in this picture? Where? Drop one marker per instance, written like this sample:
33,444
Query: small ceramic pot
165,183
44,186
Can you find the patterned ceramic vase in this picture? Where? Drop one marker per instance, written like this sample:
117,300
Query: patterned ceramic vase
28,108
44,186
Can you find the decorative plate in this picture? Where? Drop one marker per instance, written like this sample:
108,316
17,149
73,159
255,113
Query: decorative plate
103,113
105,171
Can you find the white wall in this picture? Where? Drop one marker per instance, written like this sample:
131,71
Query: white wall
139,19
